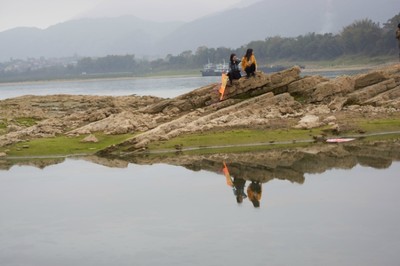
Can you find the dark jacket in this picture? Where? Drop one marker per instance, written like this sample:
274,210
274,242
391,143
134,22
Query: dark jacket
234,70
234,66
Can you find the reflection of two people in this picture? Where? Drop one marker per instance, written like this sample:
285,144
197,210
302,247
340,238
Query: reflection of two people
238,184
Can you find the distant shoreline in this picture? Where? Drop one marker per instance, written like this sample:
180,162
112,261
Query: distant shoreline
309,68
94,79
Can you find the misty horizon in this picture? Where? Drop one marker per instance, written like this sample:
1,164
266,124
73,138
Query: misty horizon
229,27
47,14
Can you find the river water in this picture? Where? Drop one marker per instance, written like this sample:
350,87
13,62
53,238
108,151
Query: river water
340,210
80,213
166,87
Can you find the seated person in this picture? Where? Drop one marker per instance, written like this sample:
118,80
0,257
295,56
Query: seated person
234,70
249,63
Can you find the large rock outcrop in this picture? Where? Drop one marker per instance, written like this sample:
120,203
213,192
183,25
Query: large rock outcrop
285,99
279,100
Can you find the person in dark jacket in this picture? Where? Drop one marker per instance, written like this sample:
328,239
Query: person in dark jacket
238,189
234,69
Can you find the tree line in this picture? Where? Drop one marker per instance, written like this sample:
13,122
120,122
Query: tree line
361,38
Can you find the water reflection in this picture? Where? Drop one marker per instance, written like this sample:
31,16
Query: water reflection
117,212
238,184
280,163
246,172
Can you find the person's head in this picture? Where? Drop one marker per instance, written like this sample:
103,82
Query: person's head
249,53
239,199
256,203
233,57
398,26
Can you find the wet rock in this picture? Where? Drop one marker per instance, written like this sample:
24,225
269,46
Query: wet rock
90,138
308,122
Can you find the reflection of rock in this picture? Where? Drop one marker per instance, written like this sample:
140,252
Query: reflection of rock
379,163
286,164
112,163
289,164
377,155
6,164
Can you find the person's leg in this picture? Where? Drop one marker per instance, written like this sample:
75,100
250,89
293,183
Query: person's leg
230,76
248,71
236,75
252,69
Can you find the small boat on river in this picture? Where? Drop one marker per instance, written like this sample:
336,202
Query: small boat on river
211,69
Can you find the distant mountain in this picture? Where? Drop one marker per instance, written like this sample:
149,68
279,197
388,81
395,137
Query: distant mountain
249,21
86,37
236,27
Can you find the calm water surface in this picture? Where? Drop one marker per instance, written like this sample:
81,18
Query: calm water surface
81,213
166,87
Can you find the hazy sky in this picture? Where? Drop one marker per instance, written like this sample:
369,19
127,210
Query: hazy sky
44,13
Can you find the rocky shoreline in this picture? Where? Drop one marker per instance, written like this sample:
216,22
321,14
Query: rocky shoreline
268,101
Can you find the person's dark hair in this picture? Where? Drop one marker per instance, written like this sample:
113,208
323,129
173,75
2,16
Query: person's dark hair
249,52
398,26
231,58
256,203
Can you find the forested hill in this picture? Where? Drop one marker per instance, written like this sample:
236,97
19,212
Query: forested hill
268,18
363,38
230,28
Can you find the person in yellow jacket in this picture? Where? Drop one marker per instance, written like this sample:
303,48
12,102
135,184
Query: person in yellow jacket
254,192
249,63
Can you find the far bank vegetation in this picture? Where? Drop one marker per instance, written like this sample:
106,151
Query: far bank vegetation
358,41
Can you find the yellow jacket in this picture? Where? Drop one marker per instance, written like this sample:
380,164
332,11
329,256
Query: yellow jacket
247,63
